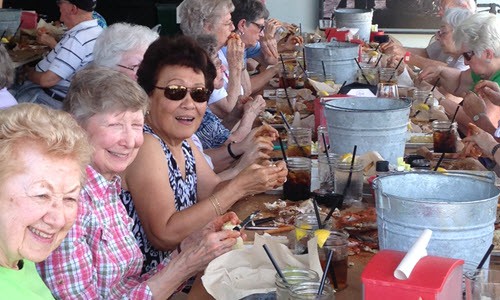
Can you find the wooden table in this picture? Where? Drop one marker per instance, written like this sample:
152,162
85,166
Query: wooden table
245,207
26,56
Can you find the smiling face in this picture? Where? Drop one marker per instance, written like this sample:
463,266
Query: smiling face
176,121
116,138
38,205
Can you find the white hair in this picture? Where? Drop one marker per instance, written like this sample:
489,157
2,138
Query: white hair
455,16
479,32
118,39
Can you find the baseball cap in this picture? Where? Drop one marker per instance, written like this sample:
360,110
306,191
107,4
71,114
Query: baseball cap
87,5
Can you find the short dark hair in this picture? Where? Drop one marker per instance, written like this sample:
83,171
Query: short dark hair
249,10
174,51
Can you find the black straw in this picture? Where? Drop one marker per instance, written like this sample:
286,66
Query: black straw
485,257
349,178
316,211
439,161
361,70
293,135
378,60
397,66
284,83
324,70
454,116
428,96
283,151
326,152
371,57
325,273
274,263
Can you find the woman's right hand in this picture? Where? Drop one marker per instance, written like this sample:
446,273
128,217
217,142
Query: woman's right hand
430,73
489,90
258,178
234,54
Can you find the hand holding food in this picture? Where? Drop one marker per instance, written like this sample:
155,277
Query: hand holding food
473,105
488,90
479,137
392,48
430,73
235,50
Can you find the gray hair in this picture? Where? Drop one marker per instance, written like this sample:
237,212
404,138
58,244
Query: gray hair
118,39
467,4
196,14
249,10
99,89
479,32
209,43
54,131
6,68
455,16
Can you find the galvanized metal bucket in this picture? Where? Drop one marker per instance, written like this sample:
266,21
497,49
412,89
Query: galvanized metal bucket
460,208
373,124
355,18
337,57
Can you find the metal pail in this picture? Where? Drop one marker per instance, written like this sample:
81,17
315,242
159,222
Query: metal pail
337,57
459,207
355,18
373,124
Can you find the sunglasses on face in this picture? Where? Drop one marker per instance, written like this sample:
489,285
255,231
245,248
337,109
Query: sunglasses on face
260,26
179,92
468,55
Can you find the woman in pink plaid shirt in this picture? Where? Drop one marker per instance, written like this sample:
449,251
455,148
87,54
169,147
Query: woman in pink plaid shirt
100,258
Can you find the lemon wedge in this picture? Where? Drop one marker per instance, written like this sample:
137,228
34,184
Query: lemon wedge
323,93
373,53
441,170
322,235
301,232
346,157
330,83
410,127
5,40
422,106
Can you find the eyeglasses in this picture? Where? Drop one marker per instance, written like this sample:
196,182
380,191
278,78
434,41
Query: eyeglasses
440,32
178,92
468,55
131,68
260,26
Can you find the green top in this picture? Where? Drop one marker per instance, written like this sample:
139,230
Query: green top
476,78
23,284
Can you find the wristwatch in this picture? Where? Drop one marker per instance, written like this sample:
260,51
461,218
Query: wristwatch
476,117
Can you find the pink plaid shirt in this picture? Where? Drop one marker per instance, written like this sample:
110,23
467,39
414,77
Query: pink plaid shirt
99,259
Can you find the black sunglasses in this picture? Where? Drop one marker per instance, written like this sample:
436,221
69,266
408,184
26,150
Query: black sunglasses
468,55
261,27
178,92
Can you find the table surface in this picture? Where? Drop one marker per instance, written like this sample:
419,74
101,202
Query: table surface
26,56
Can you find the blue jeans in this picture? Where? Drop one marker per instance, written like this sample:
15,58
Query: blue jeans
33,93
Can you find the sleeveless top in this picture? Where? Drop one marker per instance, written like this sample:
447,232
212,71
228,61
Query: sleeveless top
184,193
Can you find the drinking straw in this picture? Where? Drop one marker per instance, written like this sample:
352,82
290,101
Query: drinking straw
323,278
439,161
304,58
362,73
343,84
371,57
397,66
378,60
300,29
483,260
454,115
3,34
283,151
316,211
326,151
324,70
274,263
284,83
291,133
428,96
349,178
303,70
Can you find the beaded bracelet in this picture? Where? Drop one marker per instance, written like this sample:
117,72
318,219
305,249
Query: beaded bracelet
494,150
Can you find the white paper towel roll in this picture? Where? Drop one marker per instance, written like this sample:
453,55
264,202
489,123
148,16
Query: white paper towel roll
416,252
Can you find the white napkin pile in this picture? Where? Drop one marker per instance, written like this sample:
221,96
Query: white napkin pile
244,272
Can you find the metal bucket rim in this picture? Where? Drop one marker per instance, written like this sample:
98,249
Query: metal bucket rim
330,105
352,10
378,181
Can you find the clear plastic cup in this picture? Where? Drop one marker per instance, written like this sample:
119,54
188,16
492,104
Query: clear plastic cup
293,276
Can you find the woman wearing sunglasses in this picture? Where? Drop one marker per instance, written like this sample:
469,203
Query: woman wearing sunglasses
478,38
100,258
169,189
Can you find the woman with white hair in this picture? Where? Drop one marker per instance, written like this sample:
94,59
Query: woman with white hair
6,79
451,19
478,38
121,46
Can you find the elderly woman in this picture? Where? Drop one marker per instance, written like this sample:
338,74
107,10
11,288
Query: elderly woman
200,17
100,259
478,38
121,46
37,205
6,79
183,193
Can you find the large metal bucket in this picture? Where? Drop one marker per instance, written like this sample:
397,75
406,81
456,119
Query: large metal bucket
355,18
338,58
373,124
460,209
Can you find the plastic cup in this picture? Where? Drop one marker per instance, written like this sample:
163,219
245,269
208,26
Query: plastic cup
482,285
